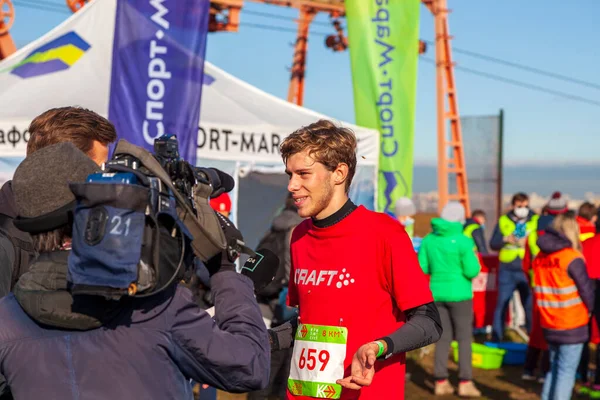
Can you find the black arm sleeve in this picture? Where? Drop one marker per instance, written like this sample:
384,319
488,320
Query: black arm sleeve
423,327
480,241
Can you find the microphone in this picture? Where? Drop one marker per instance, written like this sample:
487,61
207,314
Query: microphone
261,268
220,181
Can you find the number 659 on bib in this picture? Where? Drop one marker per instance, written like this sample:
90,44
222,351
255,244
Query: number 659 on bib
318,361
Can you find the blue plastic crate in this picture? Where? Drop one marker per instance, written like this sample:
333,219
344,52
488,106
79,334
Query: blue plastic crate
515,352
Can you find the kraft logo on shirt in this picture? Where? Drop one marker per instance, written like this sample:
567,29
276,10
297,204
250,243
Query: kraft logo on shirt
330,277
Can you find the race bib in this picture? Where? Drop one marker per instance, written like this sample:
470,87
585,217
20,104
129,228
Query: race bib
318,361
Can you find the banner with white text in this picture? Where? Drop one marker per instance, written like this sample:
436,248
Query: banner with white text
384,44
157,71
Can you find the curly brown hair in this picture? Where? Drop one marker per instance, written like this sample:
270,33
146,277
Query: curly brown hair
327,143
70,124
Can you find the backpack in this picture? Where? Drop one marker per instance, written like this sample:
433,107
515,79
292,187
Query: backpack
277,242
22,245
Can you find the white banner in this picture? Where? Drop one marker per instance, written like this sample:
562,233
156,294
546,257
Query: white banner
13,138
261,143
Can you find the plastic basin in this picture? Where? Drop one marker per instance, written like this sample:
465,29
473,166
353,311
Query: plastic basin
483,357
515,352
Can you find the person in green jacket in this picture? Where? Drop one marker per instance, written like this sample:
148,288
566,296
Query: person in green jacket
448,257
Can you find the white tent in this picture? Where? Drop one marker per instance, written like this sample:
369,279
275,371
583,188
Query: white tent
239,131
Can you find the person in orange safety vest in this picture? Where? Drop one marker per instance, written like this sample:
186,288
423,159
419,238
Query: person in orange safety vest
564,295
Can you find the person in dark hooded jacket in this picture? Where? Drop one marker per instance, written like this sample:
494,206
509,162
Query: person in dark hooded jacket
62,346
564,294
272,298
90,133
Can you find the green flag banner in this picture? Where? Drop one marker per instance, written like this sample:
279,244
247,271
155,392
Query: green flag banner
384,46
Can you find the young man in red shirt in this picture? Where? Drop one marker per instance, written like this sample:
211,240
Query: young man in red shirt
362,298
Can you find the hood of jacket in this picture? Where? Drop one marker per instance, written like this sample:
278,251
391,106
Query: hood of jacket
42,293
553,241
286,220
444,227
8,206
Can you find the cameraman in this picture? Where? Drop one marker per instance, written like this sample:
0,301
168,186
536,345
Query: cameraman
89,347
90,133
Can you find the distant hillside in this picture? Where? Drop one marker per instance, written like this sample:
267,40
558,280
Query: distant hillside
578,181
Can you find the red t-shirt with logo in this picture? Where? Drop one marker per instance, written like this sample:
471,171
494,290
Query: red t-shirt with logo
359,273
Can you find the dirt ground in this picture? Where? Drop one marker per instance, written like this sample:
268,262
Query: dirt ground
497,384
500,384
504,383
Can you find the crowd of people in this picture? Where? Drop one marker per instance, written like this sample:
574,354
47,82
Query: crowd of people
550,259
202,322
349,298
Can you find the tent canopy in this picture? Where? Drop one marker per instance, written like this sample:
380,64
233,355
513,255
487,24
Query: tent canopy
240,126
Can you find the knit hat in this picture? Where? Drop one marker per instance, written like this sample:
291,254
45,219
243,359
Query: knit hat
557,204
453,212
41,186
405,207
221,203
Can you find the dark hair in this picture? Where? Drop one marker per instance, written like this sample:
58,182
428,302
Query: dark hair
46,242
478,213
77,125
327,143
518,197
587,211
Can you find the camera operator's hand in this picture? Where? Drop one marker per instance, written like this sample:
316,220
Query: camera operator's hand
220,262
234,238
225,261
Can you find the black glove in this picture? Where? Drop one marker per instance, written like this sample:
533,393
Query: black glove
226,260
234,238
220,262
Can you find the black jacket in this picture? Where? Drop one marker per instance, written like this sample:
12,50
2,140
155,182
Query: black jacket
16,247
146,348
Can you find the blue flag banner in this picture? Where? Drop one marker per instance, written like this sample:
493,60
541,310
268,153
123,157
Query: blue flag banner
157,71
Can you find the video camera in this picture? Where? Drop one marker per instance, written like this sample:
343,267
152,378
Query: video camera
139,223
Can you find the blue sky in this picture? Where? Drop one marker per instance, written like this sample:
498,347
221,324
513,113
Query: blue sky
539,128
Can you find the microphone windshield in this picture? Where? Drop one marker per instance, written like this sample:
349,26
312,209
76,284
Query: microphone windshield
261,268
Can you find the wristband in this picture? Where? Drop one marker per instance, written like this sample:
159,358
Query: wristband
381,348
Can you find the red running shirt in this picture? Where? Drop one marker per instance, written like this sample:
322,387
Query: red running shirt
359,273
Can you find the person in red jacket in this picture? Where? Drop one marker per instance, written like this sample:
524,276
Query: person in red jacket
591,252
362,298
586,218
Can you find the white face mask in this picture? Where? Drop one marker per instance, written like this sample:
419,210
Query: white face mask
521,212
408,221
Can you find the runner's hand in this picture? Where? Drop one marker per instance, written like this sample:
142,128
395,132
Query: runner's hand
362,367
